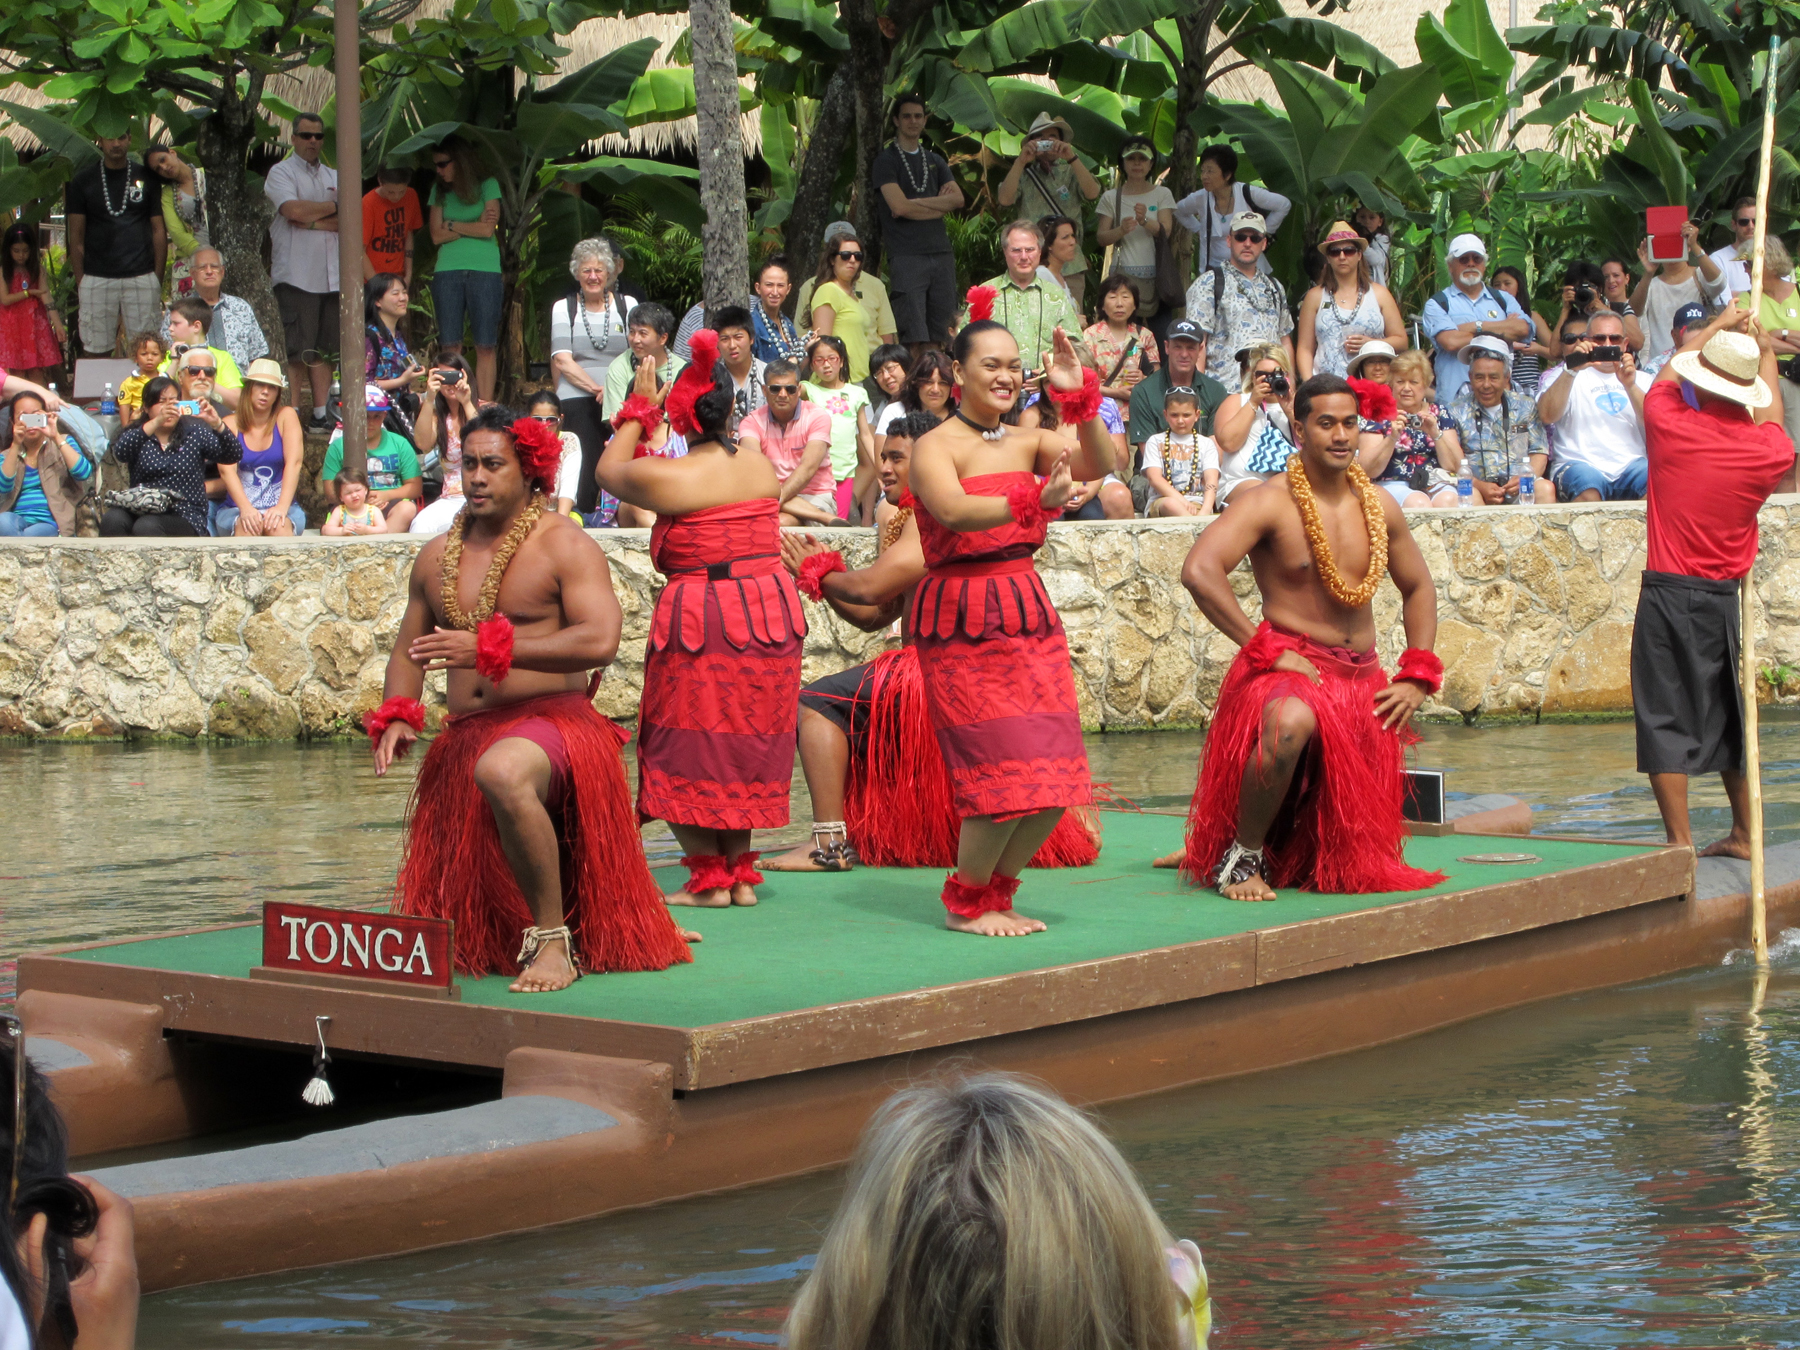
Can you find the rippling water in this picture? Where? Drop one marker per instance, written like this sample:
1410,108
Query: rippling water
1614,1169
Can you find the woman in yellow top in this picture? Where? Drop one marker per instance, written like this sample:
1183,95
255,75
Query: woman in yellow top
1780,319
835,308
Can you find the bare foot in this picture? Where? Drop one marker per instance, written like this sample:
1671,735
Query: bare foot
799,858
549,971
1174,859
688,935
1728,847
1251,887
742,894
717,898
996,923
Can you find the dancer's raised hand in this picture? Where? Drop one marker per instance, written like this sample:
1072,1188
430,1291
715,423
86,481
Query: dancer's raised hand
1062,367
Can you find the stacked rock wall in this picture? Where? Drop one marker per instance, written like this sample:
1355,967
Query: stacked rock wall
287,638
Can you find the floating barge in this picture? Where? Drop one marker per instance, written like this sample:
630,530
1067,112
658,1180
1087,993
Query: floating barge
496,1112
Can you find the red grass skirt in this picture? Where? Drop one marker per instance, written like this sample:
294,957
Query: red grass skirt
900,810
1340,830
995,670
454,867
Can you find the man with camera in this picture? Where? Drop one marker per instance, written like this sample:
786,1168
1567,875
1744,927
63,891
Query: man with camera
1049,179
1596,404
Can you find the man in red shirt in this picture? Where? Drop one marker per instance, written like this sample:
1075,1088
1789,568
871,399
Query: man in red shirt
1716,449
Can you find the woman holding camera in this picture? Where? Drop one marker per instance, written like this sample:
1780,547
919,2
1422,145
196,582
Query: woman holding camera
1254,428
43,475
448,407
1414,457
167,454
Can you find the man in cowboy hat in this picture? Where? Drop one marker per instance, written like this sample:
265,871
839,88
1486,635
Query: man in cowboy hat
1716,449
1049,179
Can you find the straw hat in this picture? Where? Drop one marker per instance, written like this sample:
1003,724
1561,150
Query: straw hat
265,370
1341,233
1374,347
1045,122
1727,367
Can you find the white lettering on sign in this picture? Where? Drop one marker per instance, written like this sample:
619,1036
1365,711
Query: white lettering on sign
312,931
293,923
391,962
360,948
418,954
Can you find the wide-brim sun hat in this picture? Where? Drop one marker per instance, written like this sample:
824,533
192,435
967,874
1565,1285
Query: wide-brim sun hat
1373,347
265,370
1045,122
1341,233
1728,366
1485,346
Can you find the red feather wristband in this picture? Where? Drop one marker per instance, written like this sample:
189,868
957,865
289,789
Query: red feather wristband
1261,652
1074,407
396,709
493,648
1426,667
1025,501
815,569
641,410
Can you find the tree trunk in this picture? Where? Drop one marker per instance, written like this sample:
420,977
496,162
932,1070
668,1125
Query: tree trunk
868,65
238,217
819,172
723,195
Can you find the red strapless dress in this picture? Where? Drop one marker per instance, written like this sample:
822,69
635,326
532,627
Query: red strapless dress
996,668
721,672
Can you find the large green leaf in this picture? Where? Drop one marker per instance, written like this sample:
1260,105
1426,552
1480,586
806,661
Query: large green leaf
1020,101
1316,43
553,130
667,95
668,189
812,28
605,81
952,93
1602,49
59,136
779,147
1269,144
1471,57
1028,36
1657,148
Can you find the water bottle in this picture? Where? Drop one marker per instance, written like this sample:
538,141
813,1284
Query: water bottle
109,414
1465,484
1527,485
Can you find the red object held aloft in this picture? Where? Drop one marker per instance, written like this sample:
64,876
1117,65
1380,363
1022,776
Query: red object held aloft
815,569
695,379
1374,401
494,648
981,303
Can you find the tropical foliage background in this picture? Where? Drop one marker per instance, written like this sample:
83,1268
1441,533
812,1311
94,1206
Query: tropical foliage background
1549,139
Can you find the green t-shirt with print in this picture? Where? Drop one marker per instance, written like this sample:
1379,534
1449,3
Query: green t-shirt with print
391,462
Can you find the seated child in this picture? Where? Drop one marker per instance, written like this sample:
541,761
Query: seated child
355,513
1181,464
147,350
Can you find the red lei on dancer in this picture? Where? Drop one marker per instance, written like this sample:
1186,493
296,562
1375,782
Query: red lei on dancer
995,667
899,808
721,672
455,869
1340,830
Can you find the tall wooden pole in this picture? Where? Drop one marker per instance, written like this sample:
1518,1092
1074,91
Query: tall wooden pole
725,273
1759,909
346,36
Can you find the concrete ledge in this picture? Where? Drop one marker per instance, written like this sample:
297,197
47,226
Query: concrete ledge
287,638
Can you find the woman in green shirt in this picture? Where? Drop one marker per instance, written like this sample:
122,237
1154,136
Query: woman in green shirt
465,214
835,308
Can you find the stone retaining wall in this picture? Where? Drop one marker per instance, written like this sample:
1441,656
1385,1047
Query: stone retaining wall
278,639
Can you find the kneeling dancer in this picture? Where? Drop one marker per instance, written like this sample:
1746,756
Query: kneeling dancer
879,791
1301,782
521,815
992,654
722,665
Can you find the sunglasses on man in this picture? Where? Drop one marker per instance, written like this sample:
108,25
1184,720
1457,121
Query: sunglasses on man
781,388
309,135
208,371
1745,222
1246,236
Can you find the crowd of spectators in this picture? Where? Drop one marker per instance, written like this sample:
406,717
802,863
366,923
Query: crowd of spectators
825,355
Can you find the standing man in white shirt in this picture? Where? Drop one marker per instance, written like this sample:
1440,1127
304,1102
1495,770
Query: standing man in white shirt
1597,408
303,261
1469,309
1743,230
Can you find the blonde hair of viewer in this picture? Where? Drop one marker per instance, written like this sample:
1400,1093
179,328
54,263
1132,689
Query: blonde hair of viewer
985,1213
1412,364
1259,352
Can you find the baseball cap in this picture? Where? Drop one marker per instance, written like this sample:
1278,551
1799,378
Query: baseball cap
1687,316
375,398
1186,328
1248,220
1485,346
1467,243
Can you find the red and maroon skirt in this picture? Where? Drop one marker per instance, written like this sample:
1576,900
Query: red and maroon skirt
995,668
454,867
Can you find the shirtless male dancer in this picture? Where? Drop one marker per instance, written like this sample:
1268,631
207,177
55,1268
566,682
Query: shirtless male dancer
521,817
1306,694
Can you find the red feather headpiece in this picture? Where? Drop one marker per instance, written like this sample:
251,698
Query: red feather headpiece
695,379
1375,401
539,450
981,303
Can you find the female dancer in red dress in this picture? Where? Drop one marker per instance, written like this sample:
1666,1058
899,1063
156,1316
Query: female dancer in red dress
722,667
991,647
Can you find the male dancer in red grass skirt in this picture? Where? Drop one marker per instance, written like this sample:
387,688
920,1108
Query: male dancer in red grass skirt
879,789
521,818
1301,783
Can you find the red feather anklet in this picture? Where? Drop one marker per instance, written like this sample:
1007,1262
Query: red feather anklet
815,569
971,902
1262,651
1025,502
743,869
1425,667
396,709
1074,407
493,648
706,872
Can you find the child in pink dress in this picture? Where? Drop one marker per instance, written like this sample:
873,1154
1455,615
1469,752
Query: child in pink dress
29,345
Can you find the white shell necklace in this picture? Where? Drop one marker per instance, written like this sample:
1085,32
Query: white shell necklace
993,433
134,191
920,184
